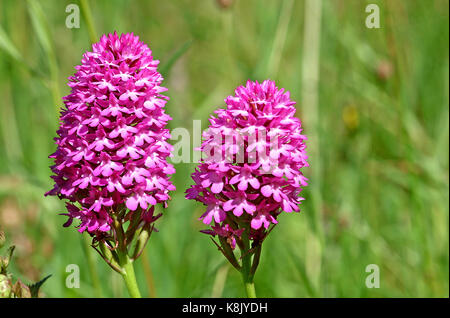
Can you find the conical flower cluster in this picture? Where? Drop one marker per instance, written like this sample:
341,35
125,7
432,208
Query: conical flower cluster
252,154
111,145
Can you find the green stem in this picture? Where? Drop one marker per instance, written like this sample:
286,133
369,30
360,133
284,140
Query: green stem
247,275
250,289
125,262
128,275
92,266
86,11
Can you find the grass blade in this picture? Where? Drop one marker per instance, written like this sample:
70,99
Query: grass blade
280,38
166,67
42,30
9,48
87,14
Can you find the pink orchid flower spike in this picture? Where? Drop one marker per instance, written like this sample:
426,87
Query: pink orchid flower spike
249,173
112,142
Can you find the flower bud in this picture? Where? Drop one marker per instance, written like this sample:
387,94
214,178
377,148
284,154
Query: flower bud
21,290
224,4
4,261
2,239
385,70
5,286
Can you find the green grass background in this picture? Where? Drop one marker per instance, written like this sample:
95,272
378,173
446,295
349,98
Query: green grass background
379,143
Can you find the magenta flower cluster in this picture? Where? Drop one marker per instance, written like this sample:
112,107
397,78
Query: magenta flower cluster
249,194
111,145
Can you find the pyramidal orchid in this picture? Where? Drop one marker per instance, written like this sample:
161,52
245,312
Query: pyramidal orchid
249,173
110,163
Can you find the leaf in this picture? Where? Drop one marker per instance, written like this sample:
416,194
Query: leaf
34,288
21,290
167,66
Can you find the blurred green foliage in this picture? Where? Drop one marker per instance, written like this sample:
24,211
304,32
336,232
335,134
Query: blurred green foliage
379,141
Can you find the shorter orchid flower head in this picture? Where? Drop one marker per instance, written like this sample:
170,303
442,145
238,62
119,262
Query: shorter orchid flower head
250,171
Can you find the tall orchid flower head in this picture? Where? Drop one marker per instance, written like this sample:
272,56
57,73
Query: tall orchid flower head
110,162
250,171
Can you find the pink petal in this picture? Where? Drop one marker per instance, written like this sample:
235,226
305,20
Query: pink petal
266,190
255,183
132,203
227,206
256,223
217,187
